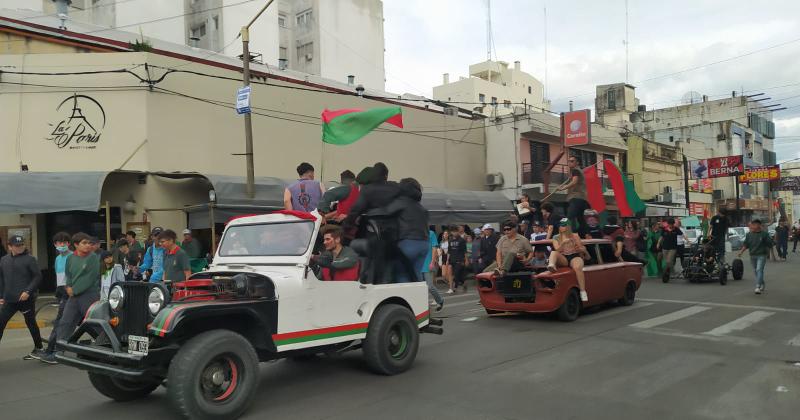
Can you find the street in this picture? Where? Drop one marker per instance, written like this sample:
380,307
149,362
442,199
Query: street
682,351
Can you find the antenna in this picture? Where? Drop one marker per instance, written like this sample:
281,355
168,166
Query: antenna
545,53
626,41
488,30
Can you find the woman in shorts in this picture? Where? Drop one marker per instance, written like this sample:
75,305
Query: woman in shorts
568,251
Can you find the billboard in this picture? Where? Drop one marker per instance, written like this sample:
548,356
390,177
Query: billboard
789,183
576,129
761,174
718,167
702,186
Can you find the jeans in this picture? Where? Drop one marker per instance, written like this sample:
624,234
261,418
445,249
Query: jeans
62,302
415,252
74,311
575,210
759,261
28,310
783,248
428,276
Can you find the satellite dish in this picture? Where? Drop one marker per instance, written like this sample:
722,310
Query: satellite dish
691,97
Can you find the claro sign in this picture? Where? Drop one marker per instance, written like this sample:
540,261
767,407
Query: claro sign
576,129
79,123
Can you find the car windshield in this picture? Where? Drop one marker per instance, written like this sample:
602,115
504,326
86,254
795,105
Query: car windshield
290,239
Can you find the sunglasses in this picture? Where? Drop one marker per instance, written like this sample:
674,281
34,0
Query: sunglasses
506,229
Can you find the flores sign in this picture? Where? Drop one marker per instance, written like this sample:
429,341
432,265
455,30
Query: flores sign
717,167
79,125
761,174
576,129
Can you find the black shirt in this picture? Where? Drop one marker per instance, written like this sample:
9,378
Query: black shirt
489,248
457,250
594,232
719,228
553,220
669,238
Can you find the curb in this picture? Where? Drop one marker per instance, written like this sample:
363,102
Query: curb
17,325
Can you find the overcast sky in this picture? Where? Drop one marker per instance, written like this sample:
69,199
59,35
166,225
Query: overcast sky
425,38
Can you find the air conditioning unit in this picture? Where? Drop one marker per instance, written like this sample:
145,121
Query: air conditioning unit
451,111
494,180
718,194
667,190
660,198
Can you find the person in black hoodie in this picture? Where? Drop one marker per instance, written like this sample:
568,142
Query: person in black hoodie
412,230
19,284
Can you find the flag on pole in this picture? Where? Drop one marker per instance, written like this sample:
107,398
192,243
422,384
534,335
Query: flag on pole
346,126
594,189
625,195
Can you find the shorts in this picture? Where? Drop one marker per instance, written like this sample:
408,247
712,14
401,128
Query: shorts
570,257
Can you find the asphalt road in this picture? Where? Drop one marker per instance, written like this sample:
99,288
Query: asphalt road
683,351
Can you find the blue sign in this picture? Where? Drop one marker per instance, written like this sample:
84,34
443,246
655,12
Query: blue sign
243,100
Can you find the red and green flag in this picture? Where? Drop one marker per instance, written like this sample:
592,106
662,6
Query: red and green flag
346,126
627,200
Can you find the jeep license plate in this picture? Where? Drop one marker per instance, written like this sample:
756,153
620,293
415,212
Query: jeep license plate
137,345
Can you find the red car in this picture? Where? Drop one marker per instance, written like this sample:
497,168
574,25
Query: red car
540,291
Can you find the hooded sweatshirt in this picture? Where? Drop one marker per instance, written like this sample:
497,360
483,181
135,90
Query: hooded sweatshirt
412,218
18,273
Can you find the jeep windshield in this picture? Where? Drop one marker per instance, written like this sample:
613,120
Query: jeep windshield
269,239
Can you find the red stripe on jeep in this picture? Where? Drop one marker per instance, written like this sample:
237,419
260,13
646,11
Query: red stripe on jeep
423,316
89,311
329,332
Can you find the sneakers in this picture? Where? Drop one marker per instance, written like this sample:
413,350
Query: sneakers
584,296
449,291
35,354
49,358
551,268
758,290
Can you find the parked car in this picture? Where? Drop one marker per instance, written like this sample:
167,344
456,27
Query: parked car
260,300
537,290
736,237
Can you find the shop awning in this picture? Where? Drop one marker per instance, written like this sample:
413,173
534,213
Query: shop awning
50,192
462,206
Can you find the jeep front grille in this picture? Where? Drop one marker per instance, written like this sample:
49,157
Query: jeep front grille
135,314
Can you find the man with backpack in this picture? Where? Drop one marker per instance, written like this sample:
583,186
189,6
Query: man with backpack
153,260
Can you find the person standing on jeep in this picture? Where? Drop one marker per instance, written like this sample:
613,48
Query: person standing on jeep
758,243
719,232
176,261
82,280
19,284
305,193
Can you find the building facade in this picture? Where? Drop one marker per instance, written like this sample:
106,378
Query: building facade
494,88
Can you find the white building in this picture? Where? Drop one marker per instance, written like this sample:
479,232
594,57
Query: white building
495,84
325,38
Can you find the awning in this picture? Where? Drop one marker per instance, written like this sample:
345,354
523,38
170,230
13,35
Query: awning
690,221
462,206
50,192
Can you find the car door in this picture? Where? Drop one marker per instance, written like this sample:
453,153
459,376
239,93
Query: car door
599,276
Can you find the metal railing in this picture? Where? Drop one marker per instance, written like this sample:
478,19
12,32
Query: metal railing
534,174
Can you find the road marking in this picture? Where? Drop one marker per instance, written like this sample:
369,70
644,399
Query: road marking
674,316
613,312
741,323
724,305
795,341
741,341
450,305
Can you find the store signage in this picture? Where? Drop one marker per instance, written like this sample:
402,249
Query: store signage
243,100
717,167
80,123
702,185
761,174
788,183
576,129
699,209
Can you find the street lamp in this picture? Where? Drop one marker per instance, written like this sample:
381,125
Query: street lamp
248,123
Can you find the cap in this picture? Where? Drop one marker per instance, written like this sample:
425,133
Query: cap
187,231
487,226
16,240
121,242
476,231
156,230
563,222
537,223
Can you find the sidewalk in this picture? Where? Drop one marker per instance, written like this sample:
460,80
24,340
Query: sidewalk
44,318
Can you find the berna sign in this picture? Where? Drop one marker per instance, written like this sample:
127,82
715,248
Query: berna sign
718,167
576,129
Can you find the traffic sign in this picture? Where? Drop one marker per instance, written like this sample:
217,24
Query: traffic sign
243,100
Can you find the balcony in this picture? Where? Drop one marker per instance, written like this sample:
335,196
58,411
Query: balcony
534,174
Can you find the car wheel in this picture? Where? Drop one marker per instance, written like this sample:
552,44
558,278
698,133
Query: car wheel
723,276
737,268
571,307
392,340
213,376
120,389
630,294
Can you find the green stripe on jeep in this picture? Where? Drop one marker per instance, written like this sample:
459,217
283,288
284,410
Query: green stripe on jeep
304,339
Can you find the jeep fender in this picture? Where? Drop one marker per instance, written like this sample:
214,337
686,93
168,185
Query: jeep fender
255,319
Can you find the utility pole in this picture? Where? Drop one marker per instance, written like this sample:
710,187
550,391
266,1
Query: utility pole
250,188
686,179
626,43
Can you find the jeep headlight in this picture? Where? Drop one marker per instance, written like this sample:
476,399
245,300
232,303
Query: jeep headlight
115,298
156,300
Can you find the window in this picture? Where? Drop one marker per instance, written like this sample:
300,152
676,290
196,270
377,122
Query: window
216,23
481,98
494,100
529,90
282,21
290,238
585,158
305,52
282,54
540,159
199,31
304,18
507,104
612,99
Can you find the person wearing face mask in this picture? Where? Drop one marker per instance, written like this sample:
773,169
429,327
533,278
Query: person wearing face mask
61,242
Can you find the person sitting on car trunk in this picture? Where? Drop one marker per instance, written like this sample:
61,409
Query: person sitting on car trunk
568,251
338,262
514,251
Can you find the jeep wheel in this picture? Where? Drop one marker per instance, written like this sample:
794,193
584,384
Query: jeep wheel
392,340
630,294
121,390
571,307
213,376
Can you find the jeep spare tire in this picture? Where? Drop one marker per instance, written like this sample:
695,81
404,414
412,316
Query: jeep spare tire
213,376
121,390
392,340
